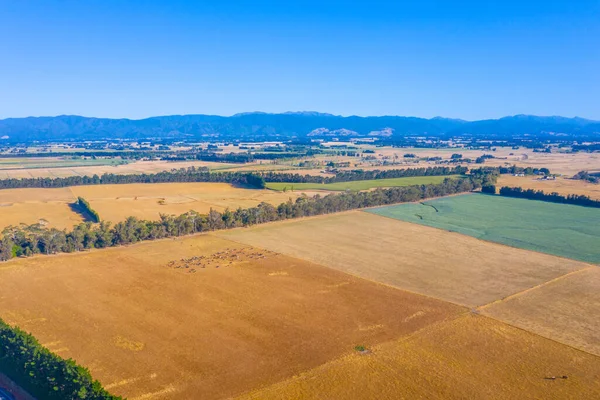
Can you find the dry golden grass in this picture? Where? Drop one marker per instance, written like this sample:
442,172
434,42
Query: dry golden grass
117,202
53,214
425,260
30,206
471,357
560,185
35,195
565,309
147,329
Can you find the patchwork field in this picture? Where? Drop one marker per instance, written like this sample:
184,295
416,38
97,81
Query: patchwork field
437,263
565,310
559,229
117,202
359,185
472,357
202,317
559,185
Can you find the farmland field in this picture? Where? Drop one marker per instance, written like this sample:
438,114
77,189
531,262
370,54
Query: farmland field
437,263
146,201
559,229
559,185
565,310
56,162
202,317
30,206
117,202
472,357
359,185
138,167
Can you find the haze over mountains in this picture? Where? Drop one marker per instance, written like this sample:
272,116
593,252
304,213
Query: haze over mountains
264,126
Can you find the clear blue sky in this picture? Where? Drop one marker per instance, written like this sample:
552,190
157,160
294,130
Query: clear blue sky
462,59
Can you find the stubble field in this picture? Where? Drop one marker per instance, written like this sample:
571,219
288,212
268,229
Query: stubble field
560,185
31,206
565,309
117,202
202,317
448,266
471,357
146,201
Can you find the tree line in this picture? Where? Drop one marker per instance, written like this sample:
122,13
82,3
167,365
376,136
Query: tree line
580,200
361,175
26,240
202,174
42,373
586,176
87,209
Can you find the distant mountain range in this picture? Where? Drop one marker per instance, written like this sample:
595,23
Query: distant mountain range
264,126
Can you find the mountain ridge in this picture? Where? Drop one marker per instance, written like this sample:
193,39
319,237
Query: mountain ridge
291,124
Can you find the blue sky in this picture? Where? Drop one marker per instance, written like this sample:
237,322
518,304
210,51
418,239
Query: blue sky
460,59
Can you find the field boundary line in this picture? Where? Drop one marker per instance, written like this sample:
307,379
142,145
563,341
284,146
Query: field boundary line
537,334
522,292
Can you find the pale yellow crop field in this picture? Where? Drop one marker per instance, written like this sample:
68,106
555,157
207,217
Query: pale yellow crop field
565,309
444,265
560,185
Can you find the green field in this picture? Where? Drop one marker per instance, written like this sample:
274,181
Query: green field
559,229
359,185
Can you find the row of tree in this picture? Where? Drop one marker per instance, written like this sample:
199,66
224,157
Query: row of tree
202,174
42,373
360,175
586,176
87,209
580,200
35,239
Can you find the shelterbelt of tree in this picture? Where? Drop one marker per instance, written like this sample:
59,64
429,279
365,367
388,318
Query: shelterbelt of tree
576,199
35,239
202,174
42,373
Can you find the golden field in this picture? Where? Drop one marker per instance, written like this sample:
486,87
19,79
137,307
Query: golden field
560,185
202,317
147,201
471,357
117,202
31,206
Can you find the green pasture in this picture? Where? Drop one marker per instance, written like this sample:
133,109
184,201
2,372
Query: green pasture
559,229
359,185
